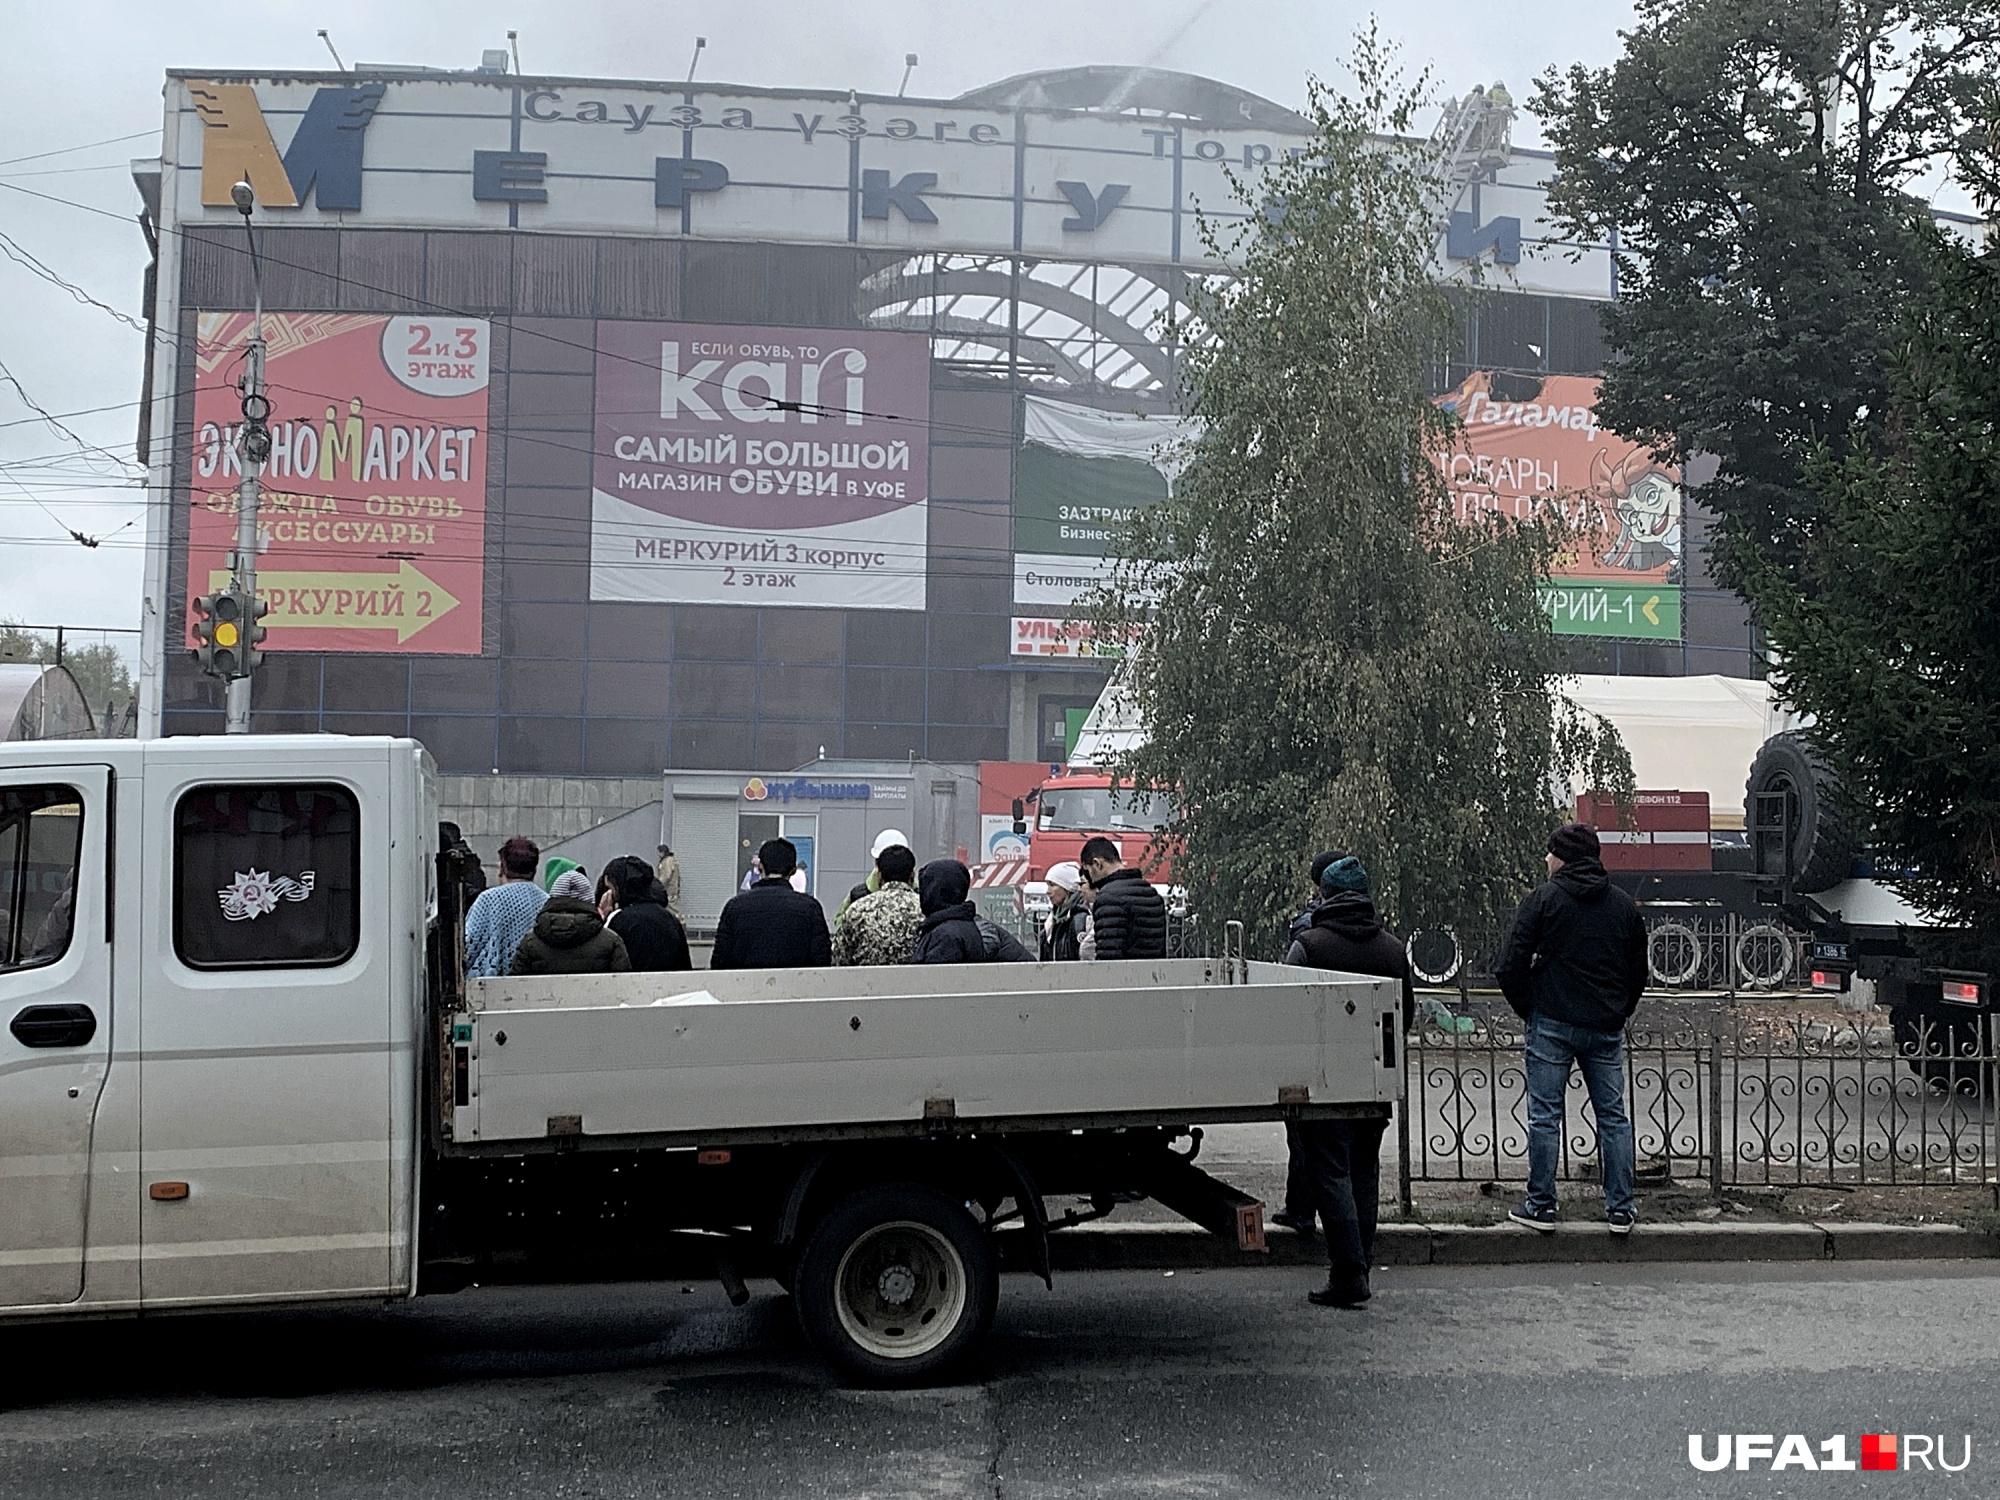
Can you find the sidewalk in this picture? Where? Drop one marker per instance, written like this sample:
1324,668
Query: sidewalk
1458,1224
1110,1245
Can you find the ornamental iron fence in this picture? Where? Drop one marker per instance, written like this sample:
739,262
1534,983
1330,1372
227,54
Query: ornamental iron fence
1721,1094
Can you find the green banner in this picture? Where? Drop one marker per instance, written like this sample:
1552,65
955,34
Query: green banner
1068,504
1643,612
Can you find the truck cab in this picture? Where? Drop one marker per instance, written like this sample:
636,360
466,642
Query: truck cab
211,958
1068,810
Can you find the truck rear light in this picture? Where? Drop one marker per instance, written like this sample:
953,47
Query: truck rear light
712,1158
1963,992
1835,981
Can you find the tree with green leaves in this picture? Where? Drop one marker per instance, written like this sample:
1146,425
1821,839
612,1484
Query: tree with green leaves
1754,163
1787,305
1327,657
1890,634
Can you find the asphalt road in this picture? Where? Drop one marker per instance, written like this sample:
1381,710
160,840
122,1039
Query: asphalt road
1540,1382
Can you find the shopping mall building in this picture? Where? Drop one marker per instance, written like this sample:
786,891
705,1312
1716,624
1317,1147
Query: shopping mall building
626,427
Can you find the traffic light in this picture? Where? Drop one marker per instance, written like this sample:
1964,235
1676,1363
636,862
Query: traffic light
254,609
227,633
225,652
206,615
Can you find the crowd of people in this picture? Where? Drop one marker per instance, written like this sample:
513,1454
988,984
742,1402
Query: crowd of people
1573,966
547,918
550,919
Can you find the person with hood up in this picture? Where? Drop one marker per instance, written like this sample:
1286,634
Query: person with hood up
1063,929
1573,967
1340,1161
952,931
652,934
569,937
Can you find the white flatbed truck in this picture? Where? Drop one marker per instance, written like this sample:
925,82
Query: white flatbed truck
242,1067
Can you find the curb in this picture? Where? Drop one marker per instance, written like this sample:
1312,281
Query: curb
1166,1247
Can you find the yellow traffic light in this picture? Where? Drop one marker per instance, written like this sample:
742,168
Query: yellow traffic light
225,634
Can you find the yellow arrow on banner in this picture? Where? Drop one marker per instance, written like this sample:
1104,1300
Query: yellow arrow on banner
405,601
1651,610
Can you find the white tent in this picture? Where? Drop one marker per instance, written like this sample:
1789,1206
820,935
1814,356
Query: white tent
1688,734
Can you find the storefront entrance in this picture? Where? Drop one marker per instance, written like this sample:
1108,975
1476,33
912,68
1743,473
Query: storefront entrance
753,829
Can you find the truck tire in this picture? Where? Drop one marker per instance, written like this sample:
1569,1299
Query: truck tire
897,1285
1822,846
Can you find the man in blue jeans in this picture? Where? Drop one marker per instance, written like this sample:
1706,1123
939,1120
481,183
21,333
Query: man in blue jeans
1573,967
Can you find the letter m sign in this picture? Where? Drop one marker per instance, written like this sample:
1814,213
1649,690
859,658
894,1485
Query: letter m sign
1464,239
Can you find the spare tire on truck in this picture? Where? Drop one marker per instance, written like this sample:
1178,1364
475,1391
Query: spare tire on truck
1822,847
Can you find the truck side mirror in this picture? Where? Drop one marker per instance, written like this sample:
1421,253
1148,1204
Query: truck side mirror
1020,816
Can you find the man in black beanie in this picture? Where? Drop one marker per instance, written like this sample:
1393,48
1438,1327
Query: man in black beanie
1573,967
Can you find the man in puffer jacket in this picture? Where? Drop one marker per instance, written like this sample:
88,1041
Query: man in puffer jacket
1339,1162
569,937
952,931
1573,967
1128,915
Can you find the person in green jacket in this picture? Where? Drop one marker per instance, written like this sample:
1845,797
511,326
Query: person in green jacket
569,937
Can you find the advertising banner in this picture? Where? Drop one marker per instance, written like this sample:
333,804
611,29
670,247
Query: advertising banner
1038,635
372,514
1539,447
760,466
1080,475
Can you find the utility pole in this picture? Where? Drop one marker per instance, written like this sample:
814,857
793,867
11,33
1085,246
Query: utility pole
254,442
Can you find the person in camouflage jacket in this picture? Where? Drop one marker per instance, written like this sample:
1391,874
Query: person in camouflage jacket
882,928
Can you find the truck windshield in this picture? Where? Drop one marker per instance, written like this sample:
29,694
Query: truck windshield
1098,809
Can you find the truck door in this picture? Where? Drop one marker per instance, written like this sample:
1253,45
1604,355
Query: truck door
265,1110
55,1003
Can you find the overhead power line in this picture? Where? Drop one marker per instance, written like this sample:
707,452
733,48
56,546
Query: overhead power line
86,146
13,251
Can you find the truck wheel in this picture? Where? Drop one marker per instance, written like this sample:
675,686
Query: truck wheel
1822,846
897,1285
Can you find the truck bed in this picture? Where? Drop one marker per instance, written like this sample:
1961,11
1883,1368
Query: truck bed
756,1055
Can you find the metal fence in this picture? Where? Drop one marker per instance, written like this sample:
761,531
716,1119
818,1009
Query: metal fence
1726,1095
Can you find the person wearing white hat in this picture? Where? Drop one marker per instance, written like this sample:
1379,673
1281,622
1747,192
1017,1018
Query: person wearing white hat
1068,921
888,838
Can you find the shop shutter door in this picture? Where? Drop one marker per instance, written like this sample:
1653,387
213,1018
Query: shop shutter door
705,840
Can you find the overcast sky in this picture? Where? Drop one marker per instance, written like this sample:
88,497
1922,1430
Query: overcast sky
77,75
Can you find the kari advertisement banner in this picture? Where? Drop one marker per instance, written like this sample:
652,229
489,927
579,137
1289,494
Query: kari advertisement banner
372,516
1532,444
760,466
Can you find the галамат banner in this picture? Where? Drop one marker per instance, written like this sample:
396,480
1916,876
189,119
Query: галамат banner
1530,444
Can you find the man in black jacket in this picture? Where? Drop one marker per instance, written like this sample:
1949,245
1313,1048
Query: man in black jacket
1128,915
653,935
1341,1160
952,931
772,926
1573,967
